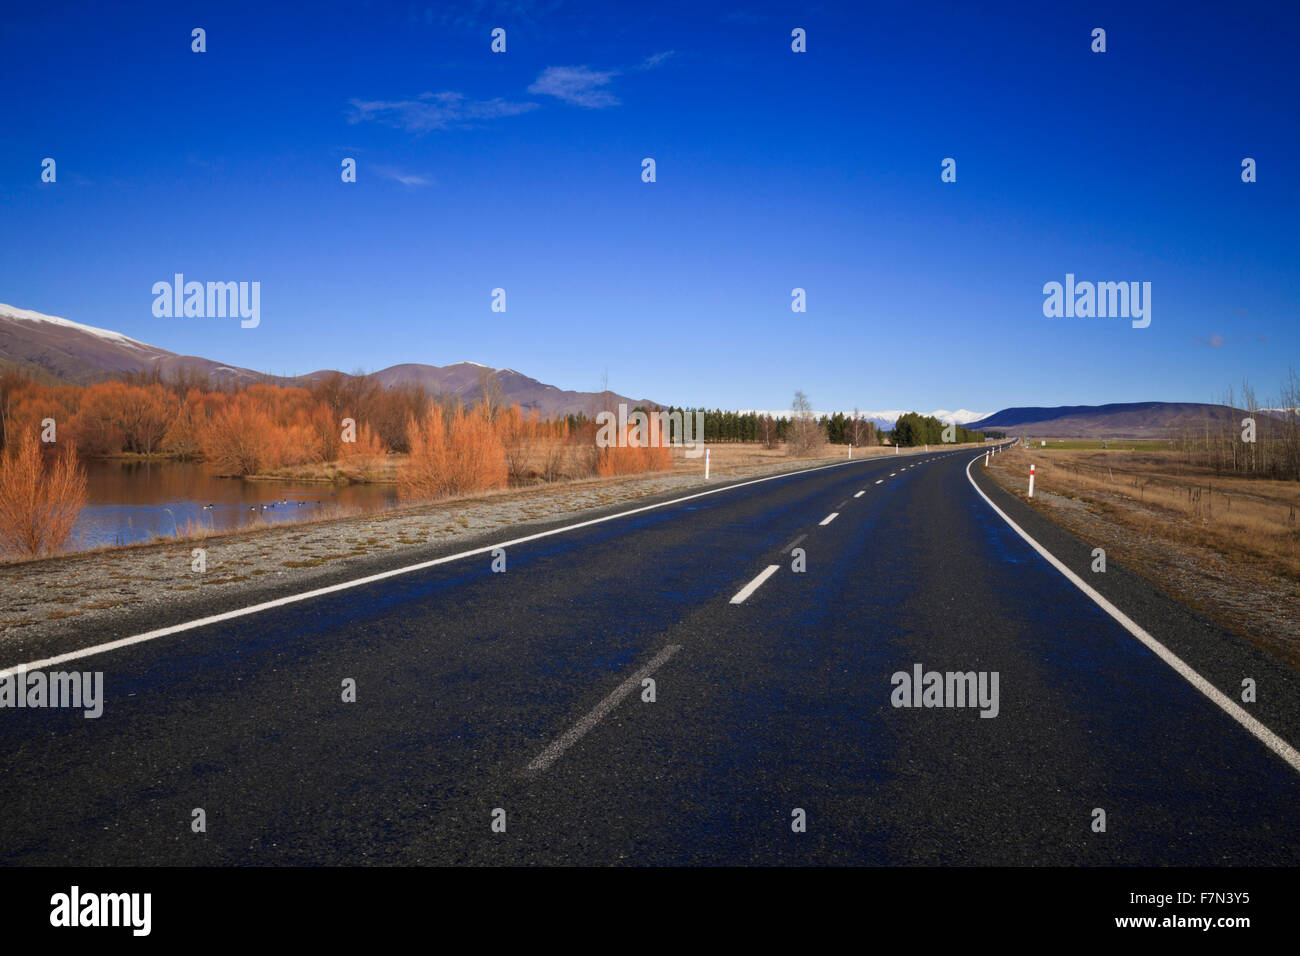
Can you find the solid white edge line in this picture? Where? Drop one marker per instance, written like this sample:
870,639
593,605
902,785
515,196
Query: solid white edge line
579,730
828,519
755,584
1184,670
383,575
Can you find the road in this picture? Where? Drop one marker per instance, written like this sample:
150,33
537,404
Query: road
524,691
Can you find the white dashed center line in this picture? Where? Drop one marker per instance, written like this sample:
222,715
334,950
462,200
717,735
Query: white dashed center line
576,732
755,584
793,544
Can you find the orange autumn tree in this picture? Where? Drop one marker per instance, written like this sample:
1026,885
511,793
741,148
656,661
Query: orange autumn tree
426,470
452,453
365,455
38,506
633,457
478,460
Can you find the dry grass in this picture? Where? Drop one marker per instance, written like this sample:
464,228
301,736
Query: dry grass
1228,546
1243,518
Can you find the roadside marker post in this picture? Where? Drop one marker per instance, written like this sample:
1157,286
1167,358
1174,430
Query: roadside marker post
986,459
1031,481
706,464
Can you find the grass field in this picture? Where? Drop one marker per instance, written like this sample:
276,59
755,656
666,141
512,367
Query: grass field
1103,444
1228,546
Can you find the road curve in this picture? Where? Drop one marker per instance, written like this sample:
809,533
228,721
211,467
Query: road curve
526,692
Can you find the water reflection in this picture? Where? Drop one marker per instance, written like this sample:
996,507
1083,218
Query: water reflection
139,501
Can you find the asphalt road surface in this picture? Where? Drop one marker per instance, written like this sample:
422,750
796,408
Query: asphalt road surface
521,697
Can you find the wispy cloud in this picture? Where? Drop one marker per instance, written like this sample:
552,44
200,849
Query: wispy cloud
403,177
482,13
583,86
1215,341
432,111
578,85
650,62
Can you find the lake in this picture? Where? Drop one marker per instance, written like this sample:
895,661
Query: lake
130,501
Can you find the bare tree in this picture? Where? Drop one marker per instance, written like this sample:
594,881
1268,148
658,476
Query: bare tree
490,390
805,434
861,431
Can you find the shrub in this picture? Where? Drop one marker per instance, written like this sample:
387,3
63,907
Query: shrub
38,506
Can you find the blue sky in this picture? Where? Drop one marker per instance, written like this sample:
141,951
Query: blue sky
775,170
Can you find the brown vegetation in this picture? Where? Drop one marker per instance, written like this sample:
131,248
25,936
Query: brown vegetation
1223,445
1229,546
805,432
38,506
1248,518
631,457
452,453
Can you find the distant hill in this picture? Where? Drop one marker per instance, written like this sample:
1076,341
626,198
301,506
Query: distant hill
62,350
81,354
1119,420
463,380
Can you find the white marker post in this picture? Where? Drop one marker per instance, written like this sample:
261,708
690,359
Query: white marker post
850,449
1031,481
986,459
706,464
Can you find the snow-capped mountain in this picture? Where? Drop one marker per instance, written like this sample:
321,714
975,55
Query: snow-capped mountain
74,352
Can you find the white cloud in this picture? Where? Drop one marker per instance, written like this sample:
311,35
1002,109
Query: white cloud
431,111
650,62
403,177
578,85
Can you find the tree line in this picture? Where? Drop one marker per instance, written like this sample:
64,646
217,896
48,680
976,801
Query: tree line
914,429
723,425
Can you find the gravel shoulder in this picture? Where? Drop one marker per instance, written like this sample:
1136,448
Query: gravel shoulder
53,604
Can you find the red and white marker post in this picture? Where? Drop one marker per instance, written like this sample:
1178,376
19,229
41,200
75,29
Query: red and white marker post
986,458
1031,481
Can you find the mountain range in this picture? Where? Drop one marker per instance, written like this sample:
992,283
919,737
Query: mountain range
1118,420
63,350
79,354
